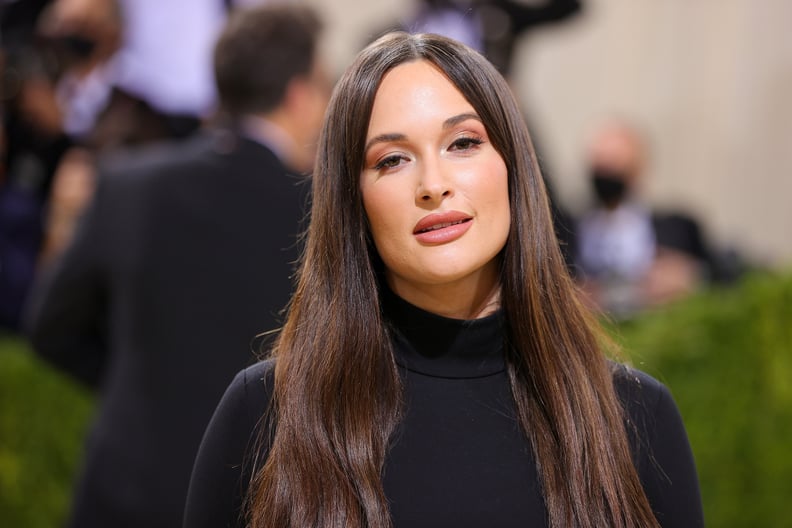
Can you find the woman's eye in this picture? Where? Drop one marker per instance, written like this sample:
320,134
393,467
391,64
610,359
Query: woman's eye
388,163
466,143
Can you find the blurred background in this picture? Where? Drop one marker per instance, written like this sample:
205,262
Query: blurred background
709,82
705,85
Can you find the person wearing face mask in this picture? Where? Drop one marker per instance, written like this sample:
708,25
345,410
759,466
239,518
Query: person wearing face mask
629,256
83,36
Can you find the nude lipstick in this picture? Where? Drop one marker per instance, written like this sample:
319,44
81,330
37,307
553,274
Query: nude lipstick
441,228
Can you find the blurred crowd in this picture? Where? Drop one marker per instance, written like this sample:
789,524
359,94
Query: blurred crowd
83,78
98,91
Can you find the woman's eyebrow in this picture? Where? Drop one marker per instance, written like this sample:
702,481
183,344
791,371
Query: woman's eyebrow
394,136
455,120
384,138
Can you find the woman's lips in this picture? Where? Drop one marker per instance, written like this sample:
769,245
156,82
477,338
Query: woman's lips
440,228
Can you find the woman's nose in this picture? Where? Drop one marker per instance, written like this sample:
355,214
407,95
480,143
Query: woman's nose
434,184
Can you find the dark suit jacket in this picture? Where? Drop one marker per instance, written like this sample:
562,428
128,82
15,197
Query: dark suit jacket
184,256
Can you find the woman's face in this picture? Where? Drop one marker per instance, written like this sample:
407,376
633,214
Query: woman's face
434,188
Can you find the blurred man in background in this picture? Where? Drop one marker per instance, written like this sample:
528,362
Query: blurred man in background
630,256
183,257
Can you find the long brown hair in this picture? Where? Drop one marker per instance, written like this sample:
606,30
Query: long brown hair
337,396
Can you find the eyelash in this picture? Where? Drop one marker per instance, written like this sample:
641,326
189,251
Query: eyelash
388,162
462,143
469,141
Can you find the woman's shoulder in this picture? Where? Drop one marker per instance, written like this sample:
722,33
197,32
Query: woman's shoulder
263,370
251,388
222,465
238,415
255,382
650,412
647,402
635,387
660,447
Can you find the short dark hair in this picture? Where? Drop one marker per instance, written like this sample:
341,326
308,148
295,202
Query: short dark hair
259,51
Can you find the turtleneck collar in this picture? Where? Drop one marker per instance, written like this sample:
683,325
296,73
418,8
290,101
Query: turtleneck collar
438,346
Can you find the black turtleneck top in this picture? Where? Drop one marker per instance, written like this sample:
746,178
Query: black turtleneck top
458,458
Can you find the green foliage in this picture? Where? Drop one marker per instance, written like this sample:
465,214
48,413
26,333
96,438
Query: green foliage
726,355
43,417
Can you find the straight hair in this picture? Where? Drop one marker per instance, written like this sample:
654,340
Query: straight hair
338,396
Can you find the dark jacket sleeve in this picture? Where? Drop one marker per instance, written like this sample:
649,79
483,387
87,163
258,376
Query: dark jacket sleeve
222,469
663,454
65,315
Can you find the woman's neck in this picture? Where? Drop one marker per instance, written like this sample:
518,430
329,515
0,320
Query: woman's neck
454,300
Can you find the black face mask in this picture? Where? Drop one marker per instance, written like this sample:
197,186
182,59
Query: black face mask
78,46
609,186
70,50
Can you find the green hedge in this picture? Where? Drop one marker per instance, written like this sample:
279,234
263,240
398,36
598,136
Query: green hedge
43,418
725,354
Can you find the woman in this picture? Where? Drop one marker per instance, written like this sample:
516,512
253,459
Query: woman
436,367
